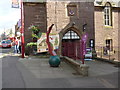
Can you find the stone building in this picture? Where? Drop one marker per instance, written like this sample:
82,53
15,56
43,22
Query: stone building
70,19
107,29
17,28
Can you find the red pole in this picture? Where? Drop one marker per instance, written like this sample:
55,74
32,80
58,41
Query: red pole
22,30
82,42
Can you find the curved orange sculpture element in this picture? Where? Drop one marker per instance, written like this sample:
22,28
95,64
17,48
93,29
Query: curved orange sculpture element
50,48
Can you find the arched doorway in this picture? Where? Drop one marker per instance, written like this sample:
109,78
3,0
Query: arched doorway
71,44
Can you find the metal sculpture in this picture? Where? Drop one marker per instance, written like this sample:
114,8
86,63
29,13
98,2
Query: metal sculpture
54,60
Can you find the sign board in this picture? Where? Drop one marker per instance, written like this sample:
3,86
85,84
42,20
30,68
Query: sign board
85,37
15,3
88,55
42,45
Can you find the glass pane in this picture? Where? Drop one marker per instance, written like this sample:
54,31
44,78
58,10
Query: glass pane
71,35
107,14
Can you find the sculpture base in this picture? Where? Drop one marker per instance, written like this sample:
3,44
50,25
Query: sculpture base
54,61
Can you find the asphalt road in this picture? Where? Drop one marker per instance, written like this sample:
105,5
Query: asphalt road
35,74
6,50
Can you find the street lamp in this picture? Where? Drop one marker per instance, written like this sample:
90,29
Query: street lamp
83,42
84,27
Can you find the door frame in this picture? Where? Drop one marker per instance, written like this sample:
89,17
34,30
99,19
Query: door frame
69,32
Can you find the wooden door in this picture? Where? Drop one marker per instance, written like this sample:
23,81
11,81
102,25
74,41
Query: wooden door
64,49
79,49
71,50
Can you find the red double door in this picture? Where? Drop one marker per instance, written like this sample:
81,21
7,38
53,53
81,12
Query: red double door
71,48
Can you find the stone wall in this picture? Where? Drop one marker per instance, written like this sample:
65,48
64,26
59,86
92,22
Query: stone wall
45,14
119,36
57,14
103,32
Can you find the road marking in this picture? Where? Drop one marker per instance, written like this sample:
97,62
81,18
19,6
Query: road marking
106,83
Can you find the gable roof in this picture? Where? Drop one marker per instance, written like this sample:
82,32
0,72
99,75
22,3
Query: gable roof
114,3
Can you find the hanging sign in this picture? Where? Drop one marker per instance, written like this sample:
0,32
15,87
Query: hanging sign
88,55
85,37
84,40
15,3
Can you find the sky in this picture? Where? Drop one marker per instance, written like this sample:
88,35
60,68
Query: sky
8,15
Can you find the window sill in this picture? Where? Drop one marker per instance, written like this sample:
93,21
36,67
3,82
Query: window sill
108,26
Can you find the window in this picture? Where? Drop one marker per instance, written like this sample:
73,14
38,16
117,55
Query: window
71,35
72,10
91,43
108,15
109,44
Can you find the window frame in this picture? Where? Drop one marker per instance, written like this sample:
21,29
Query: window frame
109,44
108,14
70,34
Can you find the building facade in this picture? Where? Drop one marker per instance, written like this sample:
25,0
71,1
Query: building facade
17,29
107,29
71,20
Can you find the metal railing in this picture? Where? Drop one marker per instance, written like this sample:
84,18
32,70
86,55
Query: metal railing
103,52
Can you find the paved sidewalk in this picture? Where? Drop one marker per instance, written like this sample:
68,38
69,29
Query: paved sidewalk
37,73
41,68
96,68
34,72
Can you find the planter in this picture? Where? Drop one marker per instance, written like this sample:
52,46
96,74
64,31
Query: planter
30,50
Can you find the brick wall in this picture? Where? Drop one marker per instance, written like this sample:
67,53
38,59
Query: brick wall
34,13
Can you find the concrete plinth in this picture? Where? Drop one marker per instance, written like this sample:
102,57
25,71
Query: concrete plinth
81,69
84,69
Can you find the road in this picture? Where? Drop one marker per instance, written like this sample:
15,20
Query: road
6,50
36,73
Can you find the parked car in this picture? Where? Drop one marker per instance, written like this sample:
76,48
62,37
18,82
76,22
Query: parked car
0,44
9,41
6,44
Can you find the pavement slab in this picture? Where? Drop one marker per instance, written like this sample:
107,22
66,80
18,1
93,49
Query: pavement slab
98,68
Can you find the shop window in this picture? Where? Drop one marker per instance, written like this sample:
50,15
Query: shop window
108,14
72,10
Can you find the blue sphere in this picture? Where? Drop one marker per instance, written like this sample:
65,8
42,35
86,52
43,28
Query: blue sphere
54,61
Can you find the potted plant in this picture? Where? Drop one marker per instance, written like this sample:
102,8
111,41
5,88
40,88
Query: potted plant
31,47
